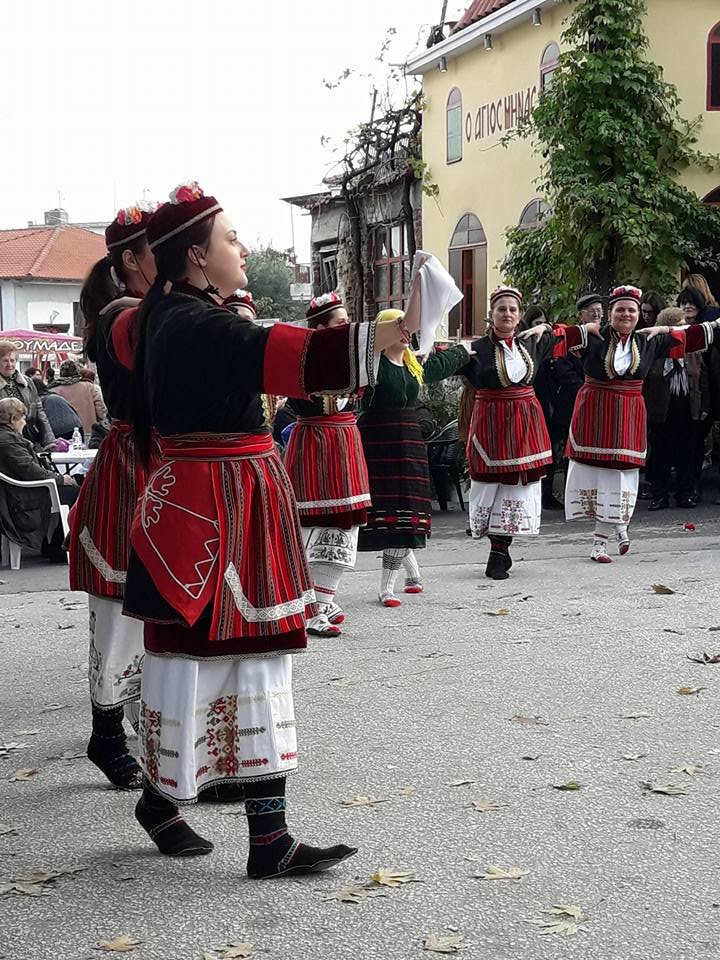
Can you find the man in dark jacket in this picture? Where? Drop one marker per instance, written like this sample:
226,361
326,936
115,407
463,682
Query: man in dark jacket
25,511
14,384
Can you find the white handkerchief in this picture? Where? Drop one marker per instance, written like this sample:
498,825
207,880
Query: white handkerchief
439,296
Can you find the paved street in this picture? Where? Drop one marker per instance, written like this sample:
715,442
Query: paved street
406,703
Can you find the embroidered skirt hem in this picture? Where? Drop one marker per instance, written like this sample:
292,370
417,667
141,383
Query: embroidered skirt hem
115,660
203,723
600,493
512,510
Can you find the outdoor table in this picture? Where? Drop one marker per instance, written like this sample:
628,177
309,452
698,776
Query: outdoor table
74,458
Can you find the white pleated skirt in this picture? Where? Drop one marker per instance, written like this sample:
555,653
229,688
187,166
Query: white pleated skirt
598,493
204,722
115,661
511,510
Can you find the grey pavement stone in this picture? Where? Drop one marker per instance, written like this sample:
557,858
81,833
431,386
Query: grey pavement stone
412,698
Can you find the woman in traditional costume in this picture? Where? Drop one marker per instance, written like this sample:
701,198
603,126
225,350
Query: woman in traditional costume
398,522
218,572
326,466
100,521
509,449
607,443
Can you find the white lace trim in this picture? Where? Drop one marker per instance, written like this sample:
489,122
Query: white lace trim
515,462
341,502
605,450
98,561
264,614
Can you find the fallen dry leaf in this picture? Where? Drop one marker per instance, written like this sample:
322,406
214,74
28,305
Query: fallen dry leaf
10,747
121,944
661,589
492,872
564,928
690,691
442,944
65,626
392,878
5,830
565,910
570,785
530,756
52,707
633,756
406,792
21,775
352,893
459,783
235,951
668,789
640,715
363,801
485,806
20,887
501,612
529,721
704,658
691,769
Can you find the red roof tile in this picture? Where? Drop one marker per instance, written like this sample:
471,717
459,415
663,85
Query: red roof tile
49,253
477,10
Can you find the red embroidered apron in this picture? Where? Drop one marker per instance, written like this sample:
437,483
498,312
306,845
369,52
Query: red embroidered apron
508,440
217,528
609,424
101,518
326,465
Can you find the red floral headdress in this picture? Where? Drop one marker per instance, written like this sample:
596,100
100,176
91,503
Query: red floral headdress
626,293
325,303
188,205
129,224
505,291
242,299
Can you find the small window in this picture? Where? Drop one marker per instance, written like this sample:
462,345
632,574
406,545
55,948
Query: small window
533,215
713,69
468,232
391,266
329,272
454,126
549,62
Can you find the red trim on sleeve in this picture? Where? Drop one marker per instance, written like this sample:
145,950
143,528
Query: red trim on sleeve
284,360
561,347
677,350
122,336
695,338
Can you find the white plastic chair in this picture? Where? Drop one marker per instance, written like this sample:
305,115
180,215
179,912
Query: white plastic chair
9,551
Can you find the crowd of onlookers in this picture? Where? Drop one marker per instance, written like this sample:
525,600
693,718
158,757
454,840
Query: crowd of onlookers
41,411
682,398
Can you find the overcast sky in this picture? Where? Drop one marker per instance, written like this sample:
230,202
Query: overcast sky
105,100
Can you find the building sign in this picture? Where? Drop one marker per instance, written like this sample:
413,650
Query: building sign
499,115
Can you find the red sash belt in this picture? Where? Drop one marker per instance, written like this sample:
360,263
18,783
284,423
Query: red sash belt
616,386
206,446
333,420
506,393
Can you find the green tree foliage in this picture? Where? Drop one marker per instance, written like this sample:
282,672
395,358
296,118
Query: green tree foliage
270,273
612,144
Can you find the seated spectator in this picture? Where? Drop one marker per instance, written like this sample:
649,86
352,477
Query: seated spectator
677,398
62,415
25,511
84,396
17,385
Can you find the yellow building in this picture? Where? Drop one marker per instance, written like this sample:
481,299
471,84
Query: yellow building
485,75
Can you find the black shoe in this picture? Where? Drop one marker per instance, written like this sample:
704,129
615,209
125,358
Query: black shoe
686,503
498,565
659,503
551,502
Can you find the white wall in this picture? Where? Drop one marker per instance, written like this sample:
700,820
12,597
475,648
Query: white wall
25,304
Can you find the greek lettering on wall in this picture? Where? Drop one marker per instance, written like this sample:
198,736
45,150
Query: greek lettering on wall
497,116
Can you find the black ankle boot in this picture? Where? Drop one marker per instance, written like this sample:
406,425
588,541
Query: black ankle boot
498,565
